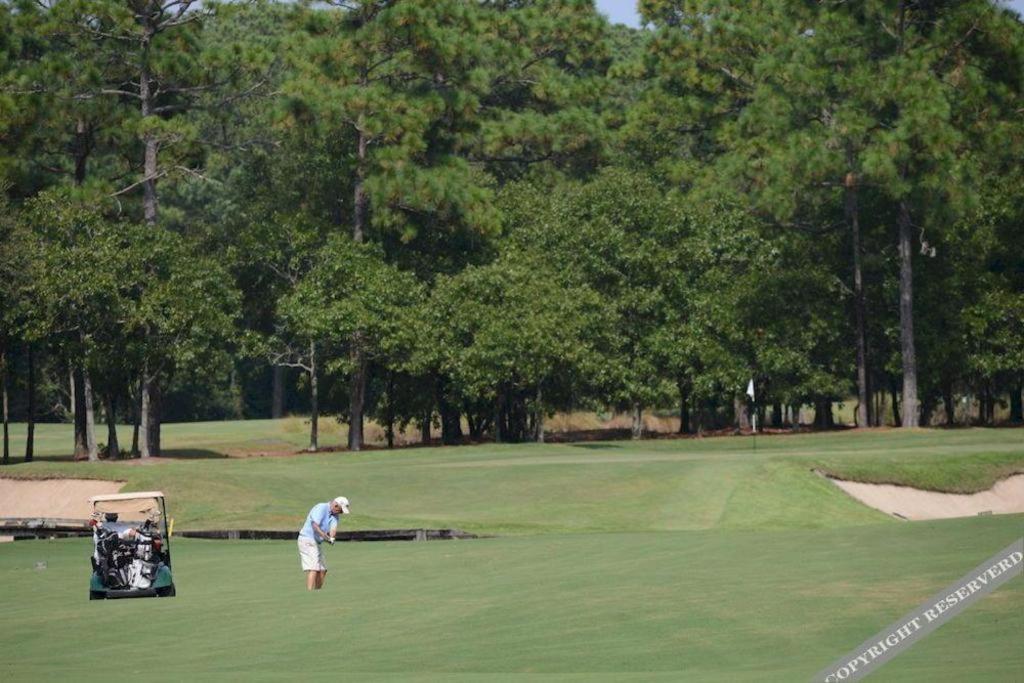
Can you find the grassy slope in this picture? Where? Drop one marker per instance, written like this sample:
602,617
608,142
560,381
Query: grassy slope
524,489
699,605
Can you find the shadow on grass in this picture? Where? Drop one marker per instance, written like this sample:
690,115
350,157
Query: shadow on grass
588,435
191,454
20,460
168,454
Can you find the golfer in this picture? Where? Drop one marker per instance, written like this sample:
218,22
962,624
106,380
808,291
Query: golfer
321,524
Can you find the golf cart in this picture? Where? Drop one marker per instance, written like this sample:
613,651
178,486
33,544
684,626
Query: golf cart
131,547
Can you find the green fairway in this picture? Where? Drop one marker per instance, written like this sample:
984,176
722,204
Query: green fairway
544,488
700,605
700,559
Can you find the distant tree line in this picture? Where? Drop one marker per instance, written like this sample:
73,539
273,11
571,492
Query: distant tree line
452,213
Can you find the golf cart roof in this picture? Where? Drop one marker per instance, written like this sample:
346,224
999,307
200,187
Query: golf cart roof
127,496
137,506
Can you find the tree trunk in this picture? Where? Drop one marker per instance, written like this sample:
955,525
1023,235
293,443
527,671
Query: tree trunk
927,408
425,427
155,408
72,394
794,420
144,442
81,451
81,149
451,418
742,419
1016,402
947,400
357,389
451,424
360,201
7,416
684,407
90,417
237,400
150,143
499,416
538,418
357,395
81,386
823,414
30,433
895,407
149,419
314,402
113,450
136,419
910,405
860,308
150,413
277,400
390,416
149,197
777,415
638,422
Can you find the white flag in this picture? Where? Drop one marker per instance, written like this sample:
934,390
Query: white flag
750,390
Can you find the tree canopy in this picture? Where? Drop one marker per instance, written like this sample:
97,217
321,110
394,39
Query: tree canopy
473,214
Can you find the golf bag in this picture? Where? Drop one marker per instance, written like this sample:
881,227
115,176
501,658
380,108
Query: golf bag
126,563
112,558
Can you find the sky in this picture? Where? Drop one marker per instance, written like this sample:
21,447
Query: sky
624,11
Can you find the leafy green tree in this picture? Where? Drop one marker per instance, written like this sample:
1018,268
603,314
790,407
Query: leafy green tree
169,72
548,61
127,298
508,334
987,280
401,82
10,305
785,100
350,296
184,316
73,136
604,234
74,262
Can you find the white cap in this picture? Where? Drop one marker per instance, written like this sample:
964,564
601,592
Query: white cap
342,502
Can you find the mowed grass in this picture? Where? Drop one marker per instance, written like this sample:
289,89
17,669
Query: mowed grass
189,439
684,605
653,485
697,559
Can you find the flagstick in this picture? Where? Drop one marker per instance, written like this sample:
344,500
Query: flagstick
753,403
755,427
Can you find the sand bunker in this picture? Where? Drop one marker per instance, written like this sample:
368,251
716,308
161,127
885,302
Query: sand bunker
54,498
1006,497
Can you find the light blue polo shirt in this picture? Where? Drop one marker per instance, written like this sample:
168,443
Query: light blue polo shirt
321,514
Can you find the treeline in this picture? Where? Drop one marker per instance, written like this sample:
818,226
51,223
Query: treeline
451,212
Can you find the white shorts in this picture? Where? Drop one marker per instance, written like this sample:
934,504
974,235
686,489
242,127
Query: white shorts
311,555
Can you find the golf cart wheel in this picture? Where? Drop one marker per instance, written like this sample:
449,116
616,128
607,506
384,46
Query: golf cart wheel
96,595
167,592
